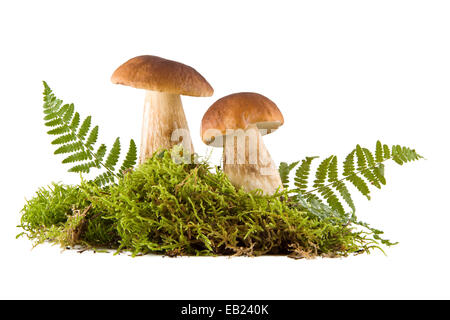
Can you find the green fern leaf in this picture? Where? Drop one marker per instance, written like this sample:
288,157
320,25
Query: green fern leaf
332,200
104,179
369,167
78,141
68,112
62,111
339,186
92,138
84,167
100,154
302,174
403,154
378,171
130,158
360,158
75,122
387,152
68,148
371,177
85,126
368,172
52,106
312,198
369,157
379,152
349,164
333,169
50,116
47,90
76,157
411,154
59,130
113,155
54,122
345,194
285,169
360,184
313,205
64,139
321,173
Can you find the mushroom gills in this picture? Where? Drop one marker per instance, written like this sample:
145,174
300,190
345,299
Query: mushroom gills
247,162
164,124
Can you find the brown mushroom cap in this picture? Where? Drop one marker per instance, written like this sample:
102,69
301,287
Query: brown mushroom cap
159,74
238,111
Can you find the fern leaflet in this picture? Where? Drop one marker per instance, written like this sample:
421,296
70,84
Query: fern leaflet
285,169
302,173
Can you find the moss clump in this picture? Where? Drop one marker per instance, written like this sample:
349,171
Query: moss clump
175,208
64,214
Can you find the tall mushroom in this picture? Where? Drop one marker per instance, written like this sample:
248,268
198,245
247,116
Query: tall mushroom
164,122
237,123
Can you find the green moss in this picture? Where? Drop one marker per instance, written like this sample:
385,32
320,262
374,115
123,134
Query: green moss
57,213
173,208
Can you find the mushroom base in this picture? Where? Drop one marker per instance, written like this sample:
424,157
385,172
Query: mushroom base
164,124
248,164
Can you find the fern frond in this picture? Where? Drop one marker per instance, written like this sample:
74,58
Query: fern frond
368,170
78,141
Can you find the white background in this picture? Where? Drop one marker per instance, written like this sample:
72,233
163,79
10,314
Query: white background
342,72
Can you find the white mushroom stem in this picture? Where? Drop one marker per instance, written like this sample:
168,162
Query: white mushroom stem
163,124
248,164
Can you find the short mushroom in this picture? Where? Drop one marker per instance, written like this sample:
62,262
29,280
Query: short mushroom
164,122
237,123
